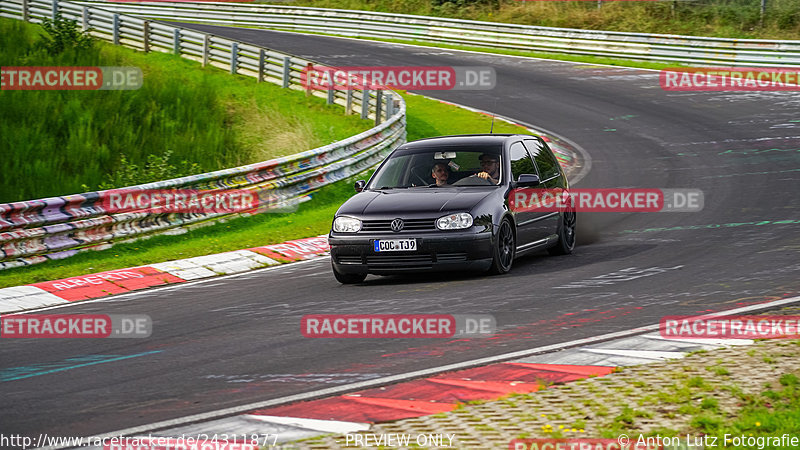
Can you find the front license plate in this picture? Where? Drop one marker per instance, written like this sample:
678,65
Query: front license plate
395,245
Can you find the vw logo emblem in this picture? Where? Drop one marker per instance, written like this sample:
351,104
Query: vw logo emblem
397,225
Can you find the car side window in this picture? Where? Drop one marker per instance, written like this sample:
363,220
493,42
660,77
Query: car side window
545,161
520,161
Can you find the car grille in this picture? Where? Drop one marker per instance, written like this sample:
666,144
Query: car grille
409,225
413,260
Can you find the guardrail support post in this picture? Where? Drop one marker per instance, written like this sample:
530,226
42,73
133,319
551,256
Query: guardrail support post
261,58
206,48
348,107
287,67
55,10
85,19
331,94
176,41
378,105
305,78
389,105
146,36
365,103
25,10
234,57
115,30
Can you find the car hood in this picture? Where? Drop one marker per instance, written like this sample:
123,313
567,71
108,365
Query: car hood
420,201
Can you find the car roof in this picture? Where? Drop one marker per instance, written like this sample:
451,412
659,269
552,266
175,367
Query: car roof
465,139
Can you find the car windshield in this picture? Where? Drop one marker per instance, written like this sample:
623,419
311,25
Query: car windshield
439,167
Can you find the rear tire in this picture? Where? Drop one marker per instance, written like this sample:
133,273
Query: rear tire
566,234
504,249
349,278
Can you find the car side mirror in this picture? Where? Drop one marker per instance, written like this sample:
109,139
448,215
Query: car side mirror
359,186
527,179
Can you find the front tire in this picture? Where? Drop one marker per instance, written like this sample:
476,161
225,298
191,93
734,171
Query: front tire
349,278
504,249
566,234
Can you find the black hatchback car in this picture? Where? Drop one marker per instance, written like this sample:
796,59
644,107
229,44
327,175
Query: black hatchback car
445,203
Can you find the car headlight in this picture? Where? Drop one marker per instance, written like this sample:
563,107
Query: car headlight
454,221
344,224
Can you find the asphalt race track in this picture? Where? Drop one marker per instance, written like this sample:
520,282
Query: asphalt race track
237,340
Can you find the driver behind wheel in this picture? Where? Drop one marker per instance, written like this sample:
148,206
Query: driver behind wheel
441,173
490,168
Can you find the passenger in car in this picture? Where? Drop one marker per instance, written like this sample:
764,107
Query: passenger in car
490,168
441,173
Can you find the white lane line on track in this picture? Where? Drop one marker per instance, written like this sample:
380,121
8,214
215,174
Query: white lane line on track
416,374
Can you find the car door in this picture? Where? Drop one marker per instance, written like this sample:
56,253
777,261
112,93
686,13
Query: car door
552,179
530,230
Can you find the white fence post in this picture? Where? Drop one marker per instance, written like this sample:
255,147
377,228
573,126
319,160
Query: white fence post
378,105
206,48
115,30
176,41
234,57
85,19
365,104
348,108
287,67
146,35
261,60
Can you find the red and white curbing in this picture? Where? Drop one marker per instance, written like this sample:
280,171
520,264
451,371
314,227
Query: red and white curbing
357,411
121,281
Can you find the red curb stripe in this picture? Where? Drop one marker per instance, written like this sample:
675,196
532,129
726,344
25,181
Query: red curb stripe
568,368
295,250
436,394
107,283
349,408
497,388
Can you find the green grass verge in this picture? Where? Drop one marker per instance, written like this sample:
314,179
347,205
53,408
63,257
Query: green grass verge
184,119
720,18
425,118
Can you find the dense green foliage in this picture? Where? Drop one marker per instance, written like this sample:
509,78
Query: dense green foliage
183,120
722,18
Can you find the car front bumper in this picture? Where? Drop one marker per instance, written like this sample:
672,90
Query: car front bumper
352,254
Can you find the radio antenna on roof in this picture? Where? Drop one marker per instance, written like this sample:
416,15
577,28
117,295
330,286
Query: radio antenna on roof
491,129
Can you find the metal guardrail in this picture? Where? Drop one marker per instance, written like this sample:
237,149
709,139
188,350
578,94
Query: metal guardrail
59,227
364,24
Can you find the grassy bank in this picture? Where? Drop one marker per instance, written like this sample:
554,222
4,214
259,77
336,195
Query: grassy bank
426,118
721,18
183,120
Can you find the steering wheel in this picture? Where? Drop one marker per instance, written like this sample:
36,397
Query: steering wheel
473,180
